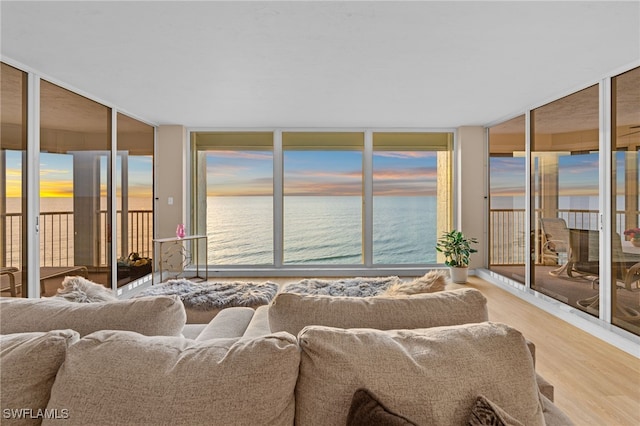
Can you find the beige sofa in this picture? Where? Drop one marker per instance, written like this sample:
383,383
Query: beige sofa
245,368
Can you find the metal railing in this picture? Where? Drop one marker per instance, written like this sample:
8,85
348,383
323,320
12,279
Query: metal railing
57,237
507,230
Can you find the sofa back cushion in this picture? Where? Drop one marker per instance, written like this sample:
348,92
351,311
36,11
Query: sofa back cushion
171,380
159,315
429,376
30,362
292,312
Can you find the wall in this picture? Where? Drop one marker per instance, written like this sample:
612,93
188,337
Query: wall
470,177
171,180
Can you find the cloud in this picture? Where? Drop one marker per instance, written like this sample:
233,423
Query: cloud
405,154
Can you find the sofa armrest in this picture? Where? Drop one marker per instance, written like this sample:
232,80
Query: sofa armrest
554,416
230,322
192,331
545,387
259,325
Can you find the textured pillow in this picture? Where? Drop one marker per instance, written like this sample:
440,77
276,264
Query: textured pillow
365,410
170,380
81,290
431,376
292,312
30,362
486,413
161,315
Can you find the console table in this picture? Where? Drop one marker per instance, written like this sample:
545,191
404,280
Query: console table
173,253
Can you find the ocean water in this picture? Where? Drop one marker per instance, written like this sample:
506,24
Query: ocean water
321,230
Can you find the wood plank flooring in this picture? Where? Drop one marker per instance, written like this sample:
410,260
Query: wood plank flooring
595,382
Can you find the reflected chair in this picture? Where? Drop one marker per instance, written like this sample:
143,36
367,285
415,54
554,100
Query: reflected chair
10,272
556,244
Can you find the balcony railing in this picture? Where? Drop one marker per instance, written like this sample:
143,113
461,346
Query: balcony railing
507,231
57,237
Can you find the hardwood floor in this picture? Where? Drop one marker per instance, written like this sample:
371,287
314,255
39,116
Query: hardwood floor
595,382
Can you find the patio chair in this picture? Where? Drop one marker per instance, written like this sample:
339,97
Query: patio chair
556,244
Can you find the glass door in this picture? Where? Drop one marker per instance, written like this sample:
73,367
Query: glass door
565,200
13,170
75,202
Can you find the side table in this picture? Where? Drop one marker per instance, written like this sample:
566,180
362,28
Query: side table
180,252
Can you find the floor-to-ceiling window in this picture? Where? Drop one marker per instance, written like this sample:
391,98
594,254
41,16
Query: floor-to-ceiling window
565,198
13,194
507,184
234,196
75,201
293,198
625,226
411,195
322,197
134,198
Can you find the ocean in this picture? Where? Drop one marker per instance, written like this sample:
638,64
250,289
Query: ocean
321,230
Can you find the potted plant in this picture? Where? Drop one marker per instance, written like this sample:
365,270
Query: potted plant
634,236
457,250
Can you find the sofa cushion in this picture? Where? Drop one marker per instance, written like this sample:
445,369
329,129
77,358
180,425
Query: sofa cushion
171,380
292,312
161,315
30,362
430,376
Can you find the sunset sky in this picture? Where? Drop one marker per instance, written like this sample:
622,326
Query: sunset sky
320,173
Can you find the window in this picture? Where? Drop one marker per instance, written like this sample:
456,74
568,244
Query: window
411,193
300,199
13,169
507,183
234,196
322,197
565,199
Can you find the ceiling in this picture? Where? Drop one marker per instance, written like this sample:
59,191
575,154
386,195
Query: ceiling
323,64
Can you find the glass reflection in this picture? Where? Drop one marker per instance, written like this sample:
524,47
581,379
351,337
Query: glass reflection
13,168
625,244
565,199
75,204
507,181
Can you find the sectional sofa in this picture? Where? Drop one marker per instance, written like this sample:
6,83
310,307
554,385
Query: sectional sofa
308,360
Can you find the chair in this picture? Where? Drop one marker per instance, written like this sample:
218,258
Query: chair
556,244
10,272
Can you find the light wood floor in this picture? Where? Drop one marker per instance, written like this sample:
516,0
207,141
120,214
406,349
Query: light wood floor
595,383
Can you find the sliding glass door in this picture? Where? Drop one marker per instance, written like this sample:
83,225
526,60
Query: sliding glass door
13,195
75,201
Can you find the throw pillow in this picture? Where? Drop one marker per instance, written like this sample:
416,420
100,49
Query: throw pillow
160,315
486,413
431,376
81,290
171,380
30,362
292,312
431,282
366,410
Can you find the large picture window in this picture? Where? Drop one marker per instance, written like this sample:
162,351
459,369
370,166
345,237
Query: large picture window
298,198
234,196
410,183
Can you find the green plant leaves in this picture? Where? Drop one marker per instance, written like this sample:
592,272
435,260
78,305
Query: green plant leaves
456,248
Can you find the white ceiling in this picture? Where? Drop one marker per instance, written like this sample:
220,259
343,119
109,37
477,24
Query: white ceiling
322,64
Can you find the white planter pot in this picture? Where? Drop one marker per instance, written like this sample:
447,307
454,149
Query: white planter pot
459,275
